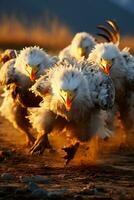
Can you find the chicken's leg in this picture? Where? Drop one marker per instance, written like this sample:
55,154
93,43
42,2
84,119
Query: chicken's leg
22,124
40,144
70,152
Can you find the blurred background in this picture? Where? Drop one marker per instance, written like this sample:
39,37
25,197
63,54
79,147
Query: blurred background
51,24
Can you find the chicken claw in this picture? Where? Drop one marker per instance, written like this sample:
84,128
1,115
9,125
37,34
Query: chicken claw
70,152
30,140
40,145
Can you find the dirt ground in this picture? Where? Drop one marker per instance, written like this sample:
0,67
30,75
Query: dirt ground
109,175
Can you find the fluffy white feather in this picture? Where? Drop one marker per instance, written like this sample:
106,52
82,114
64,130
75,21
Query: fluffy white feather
119,73
127,111
101,86
129,64
7,72
83,120
18,98
33,56
8,106
81,40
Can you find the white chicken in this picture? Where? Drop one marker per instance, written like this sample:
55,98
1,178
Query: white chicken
74,99
17,76
119,64
81,46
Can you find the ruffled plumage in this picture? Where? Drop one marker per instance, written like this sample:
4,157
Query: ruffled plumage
81,40
16,80
121,73
84,120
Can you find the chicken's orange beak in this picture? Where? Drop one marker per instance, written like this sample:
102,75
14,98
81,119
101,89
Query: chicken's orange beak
33,73
82,51
46,91
68,104
32,76
68,97
107,70
106,65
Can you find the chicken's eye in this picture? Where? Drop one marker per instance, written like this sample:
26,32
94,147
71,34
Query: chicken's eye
28,67
62,92
75,90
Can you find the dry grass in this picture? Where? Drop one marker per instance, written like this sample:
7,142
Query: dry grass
128,42
53,35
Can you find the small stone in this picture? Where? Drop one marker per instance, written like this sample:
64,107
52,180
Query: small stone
7,176
61,176
89,191
96,192
101,190
57,193
25,179
6,153
19,191
9,153
32,186
39,193
40,179
36,179
92,190
2,157
78,197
